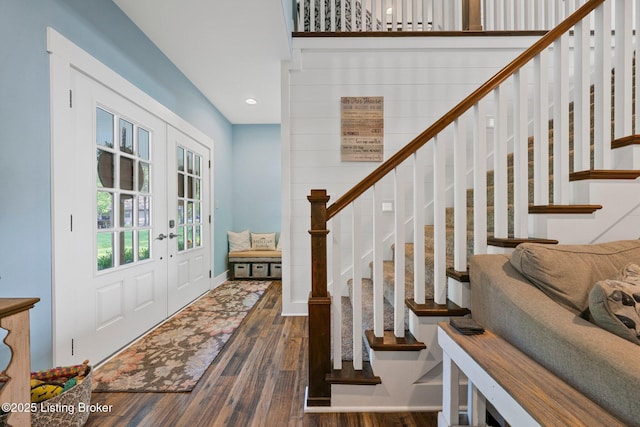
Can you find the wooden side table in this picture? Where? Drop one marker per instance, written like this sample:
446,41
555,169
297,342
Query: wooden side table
14,317
521,390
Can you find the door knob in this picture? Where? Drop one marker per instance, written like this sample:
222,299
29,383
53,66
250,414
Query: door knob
161,236
172,235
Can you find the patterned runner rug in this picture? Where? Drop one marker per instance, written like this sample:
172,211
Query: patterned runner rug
174,356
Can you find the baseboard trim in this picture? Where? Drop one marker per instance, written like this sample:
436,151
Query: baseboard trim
220,279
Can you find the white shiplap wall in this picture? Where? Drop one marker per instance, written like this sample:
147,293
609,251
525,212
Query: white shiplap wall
420,78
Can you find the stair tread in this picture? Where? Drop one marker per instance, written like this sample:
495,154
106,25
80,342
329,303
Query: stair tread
512,242
431,309
562,209
389,342
348,375
604,174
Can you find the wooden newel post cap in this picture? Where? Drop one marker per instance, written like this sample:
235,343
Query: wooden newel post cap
318,196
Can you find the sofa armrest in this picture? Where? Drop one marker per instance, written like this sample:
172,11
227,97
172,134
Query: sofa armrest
603,366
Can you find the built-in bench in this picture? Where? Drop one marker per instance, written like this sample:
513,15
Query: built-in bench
520,389
255,265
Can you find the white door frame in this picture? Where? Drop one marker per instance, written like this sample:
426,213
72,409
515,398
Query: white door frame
64,56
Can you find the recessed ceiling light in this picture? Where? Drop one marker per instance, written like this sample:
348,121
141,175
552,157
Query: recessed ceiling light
389,11
251,101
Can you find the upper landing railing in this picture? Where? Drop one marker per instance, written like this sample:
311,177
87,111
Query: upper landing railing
331,16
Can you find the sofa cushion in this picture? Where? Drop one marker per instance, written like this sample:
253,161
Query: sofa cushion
567,273
614,305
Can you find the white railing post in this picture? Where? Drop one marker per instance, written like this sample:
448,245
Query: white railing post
419,162
460,196
520,156
500,177
637,82
582,98
399,257
338,290
623,70
378,264
479,180
602,87
541,131
439,221
356,288
561,121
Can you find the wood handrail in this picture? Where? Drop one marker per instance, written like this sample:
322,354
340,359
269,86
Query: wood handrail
457,111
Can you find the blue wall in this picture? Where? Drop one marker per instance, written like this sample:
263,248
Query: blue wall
103,30
256,178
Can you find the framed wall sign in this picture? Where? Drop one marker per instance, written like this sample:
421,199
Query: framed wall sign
362,128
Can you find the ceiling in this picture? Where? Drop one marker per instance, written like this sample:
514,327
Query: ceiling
230,49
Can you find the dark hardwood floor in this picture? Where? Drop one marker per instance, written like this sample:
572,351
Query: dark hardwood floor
258,379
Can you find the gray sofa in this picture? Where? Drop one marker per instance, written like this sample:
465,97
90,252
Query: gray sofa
511,297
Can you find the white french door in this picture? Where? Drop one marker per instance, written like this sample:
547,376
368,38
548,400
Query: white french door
132,242
189,220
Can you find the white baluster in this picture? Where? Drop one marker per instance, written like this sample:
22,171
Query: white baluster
582,98
404,16
338,290
332,5
499,11
394,15
425,15
460,196
323,12
520,156
438,18
500,178
519,12
399,256
414,15
356,256
419,161
561,122
439,221
479,180
312,15
541,131
374,15
623,57
354,20
602,82
508,15
343,15
538,15
378,263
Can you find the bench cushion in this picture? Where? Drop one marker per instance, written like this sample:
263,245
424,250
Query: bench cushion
255,254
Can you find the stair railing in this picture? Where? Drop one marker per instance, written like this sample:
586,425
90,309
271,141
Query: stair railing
542,69
427,15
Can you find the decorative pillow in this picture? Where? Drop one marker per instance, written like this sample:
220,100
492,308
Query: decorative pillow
263,241
615,307
567,273
239,242
631,274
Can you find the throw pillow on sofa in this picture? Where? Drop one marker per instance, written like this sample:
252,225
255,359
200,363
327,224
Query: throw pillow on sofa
567,273
615,306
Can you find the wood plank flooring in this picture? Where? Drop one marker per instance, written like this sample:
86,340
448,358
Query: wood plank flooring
258,380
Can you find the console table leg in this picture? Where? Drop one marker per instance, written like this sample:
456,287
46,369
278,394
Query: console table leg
450,391
476,407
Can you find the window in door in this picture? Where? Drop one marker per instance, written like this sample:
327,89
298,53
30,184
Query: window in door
123,193
189,199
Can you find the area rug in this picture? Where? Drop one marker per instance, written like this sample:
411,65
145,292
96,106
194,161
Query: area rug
174,356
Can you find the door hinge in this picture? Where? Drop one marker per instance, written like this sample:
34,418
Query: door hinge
71,222
209,164
209,274
70,98
209,219
72,349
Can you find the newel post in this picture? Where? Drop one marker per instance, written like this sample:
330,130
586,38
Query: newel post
471,15
319,393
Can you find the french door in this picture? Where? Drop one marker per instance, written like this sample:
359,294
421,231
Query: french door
137,246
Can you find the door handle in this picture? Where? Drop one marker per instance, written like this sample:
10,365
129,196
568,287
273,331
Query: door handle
172,236
161,236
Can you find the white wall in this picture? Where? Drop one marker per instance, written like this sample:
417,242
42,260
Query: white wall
420,78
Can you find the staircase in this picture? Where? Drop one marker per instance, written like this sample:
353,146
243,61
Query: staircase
399,365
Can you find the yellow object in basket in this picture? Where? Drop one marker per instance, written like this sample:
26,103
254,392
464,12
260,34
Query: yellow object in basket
41,391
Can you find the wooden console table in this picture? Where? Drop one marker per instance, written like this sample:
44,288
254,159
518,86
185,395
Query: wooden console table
14,317
520,389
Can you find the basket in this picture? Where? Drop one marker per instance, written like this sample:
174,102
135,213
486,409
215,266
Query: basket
69,409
